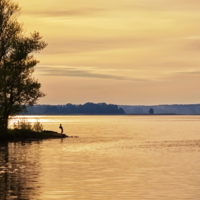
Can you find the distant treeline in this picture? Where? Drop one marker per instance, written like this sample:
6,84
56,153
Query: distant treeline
179,109
71,109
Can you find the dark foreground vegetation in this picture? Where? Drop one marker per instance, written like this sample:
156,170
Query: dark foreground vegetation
18,88
71,109
23,130
17,134
20,135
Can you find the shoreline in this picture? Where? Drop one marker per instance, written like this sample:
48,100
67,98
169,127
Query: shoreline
27,135
104,114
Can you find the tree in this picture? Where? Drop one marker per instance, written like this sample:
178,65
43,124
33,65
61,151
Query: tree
151,111
17,86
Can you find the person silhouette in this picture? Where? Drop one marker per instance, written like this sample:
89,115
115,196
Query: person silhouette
61,128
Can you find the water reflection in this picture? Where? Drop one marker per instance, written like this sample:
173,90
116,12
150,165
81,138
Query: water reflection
18,170
114,158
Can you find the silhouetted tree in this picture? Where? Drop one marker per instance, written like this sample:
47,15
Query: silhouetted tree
17,87
151,111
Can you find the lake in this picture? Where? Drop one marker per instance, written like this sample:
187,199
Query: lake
114,158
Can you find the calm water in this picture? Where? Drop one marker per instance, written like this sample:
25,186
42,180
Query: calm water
115,157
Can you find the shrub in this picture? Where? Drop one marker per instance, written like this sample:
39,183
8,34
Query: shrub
23,124
37,127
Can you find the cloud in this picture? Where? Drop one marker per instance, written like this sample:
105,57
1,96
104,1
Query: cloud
86,73
190,72
193,45
64,13
164,5
78,45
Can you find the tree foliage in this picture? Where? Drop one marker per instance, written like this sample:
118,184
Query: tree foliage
17,86
70,109
151,111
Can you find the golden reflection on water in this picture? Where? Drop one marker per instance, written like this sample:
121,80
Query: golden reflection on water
115,157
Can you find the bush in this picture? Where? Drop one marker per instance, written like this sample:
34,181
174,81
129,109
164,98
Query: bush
22,124
37,127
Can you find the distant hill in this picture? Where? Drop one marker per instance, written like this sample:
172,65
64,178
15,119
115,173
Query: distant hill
184,109
71,109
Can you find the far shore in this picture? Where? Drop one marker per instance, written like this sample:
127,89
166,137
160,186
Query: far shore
104,114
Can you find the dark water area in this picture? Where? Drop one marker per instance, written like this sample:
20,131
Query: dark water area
115,157
18,171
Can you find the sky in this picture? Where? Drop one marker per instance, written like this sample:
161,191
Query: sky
125,52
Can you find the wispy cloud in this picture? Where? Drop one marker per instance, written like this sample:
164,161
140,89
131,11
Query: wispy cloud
88,73
64,13
190,72
70,46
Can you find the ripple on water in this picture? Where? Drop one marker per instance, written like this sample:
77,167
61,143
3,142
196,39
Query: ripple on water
115,157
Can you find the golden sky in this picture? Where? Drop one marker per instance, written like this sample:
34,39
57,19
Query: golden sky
117,51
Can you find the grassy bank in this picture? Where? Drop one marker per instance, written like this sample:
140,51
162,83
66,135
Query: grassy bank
24,130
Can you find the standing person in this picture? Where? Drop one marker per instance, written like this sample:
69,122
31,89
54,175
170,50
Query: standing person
61,128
